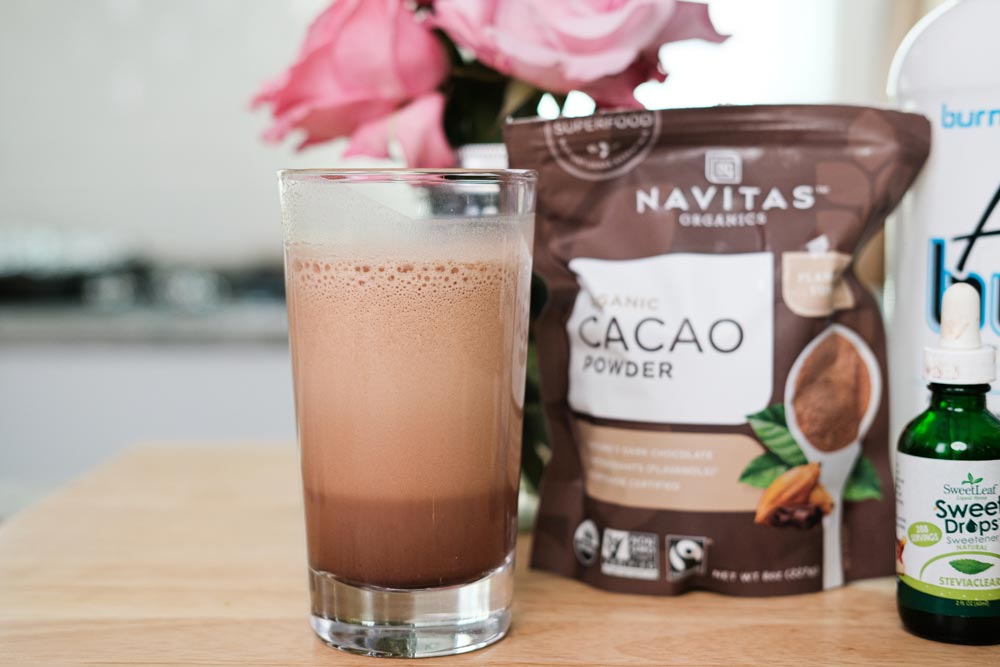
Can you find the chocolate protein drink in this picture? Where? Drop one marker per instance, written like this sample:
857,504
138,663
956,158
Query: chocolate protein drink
409,413
712,356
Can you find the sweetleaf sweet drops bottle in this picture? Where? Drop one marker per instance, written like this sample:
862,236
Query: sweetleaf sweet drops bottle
948,489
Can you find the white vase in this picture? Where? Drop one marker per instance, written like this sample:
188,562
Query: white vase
482,156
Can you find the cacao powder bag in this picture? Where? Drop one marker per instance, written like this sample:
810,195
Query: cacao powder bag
713,370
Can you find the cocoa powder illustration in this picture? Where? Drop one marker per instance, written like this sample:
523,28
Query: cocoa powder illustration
832,393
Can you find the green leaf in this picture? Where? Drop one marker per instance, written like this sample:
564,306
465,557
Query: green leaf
863,484
977,480
517,94
771,429
970,565
763,470
533,434
474,95
533,445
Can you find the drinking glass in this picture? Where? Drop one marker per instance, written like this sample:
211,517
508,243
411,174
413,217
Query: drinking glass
408,311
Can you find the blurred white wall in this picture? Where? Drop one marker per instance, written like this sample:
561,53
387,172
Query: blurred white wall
788,51
131,116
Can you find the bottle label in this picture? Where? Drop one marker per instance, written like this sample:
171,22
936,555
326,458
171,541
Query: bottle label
948,527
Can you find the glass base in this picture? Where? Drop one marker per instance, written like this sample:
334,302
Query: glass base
418,623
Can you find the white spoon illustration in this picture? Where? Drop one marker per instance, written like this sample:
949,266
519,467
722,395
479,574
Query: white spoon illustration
836,465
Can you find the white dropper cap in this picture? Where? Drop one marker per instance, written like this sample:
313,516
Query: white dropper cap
960,357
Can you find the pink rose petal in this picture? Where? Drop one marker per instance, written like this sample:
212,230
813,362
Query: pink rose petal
361,60
604,46
417,127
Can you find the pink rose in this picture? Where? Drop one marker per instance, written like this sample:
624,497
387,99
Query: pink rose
362,61
417,126
602,47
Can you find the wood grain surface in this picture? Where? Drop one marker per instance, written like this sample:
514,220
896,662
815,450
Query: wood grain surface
196,557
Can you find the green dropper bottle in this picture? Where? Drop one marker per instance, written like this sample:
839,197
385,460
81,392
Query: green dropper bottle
948,489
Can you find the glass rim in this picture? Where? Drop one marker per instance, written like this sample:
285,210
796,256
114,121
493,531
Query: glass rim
406,175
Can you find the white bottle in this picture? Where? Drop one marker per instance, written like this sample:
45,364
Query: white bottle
948,68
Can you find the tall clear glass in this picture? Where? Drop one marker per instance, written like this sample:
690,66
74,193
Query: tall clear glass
408,313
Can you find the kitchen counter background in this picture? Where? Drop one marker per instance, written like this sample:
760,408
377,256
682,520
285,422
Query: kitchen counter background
78,387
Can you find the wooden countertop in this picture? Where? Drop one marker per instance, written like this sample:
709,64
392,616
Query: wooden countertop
196,557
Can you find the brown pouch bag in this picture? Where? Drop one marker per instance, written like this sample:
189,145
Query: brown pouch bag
713,369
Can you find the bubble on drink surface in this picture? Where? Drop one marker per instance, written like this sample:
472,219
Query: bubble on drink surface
321,278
